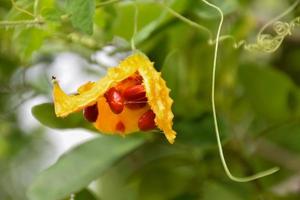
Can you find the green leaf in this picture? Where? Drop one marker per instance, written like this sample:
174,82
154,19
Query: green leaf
153,161
77,168
199,132
81,14
52,14
267,90
29,40
124,21
154,24
44,113
214,190
173,173
286,134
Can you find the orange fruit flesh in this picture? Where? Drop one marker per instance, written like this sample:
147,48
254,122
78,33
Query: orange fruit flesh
107,120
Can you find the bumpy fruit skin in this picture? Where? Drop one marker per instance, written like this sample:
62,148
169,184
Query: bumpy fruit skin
146,121
135,97
115,100
91,113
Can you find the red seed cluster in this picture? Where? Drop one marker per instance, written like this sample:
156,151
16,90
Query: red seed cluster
130,93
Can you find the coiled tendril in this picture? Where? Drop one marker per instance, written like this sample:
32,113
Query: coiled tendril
269,43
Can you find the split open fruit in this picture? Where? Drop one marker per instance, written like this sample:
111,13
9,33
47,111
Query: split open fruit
131,97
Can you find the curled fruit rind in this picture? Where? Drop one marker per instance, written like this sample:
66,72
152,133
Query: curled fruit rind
157,92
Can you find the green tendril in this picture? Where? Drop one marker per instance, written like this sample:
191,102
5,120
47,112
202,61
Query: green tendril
266,42
281,29
269,43
227,171
36,8
236,44
291,8
186,20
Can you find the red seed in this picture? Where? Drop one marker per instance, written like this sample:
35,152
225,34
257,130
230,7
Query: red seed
91,113
135,97
134,93
146,121
115,100
120,127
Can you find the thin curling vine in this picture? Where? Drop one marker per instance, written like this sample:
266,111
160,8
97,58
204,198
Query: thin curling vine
269,43
265,42
228,173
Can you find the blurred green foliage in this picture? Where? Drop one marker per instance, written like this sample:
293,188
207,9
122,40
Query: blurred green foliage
258,103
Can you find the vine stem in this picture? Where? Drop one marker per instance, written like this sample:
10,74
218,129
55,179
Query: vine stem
21,22
135,26
227,171
236,44
35,8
